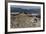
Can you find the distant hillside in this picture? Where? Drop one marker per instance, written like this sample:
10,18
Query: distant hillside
25,10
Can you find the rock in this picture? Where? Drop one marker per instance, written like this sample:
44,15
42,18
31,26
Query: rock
23,21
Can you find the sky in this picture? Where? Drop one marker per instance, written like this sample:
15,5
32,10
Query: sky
32,9
26,7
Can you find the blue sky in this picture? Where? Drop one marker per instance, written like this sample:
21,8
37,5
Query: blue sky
32,9
26,7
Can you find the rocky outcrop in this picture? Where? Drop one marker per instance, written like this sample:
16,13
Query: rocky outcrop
23,21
